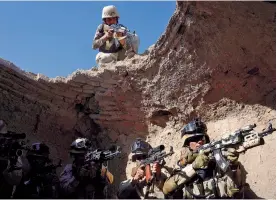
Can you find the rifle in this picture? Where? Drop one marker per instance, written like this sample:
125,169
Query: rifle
101,156
123,36
13,135
117,28
50,167
154,155
245,138
11,148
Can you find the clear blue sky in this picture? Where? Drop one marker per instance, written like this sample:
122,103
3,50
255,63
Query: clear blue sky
55,38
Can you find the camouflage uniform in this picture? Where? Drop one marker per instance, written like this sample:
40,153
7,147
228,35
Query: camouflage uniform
109,50
189,183
198,175
118,47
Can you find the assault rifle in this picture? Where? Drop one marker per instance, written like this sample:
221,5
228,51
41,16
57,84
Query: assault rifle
156,154
13,135
49,167
245,138
101,156
117,28
123,36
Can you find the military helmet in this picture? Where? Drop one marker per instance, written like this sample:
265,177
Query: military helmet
140,149
80,146
109,11
194,130
38,150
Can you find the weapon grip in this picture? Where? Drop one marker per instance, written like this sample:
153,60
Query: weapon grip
220,160
148,173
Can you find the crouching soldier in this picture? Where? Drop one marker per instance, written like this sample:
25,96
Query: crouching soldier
136,187
114,41
198,175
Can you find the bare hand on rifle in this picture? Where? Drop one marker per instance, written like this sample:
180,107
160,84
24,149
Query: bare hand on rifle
140,175
109,33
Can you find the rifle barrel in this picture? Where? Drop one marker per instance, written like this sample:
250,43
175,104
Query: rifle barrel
264,133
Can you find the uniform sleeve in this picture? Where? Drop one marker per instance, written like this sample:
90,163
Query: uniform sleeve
126,190
99,38
178,179
187,156
68,182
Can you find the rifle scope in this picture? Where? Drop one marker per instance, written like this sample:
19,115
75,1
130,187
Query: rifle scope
157,149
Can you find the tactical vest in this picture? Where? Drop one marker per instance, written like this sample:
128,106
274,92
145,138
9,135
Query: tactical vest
211,184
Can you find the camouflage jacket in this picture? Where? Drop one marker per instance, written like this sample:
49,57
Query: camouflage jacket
105,46
208,183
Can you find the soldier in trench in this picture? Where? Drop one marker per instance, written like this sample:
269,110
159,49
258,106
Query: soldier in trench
79,180
9,178
197,175
135,187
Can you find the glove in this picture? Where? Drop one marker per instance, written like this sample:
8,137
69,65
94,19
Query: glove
231,154
200,162
187,157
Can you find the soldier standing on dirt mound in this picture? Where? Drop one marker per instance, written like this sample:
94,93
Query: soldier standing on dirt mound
198,176
113,45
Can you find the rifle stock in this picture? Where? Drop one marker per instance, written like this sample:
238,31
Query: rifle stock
148,173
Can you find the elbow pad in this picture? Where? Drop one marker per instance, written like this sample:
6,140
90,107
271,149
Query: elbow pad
189,171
